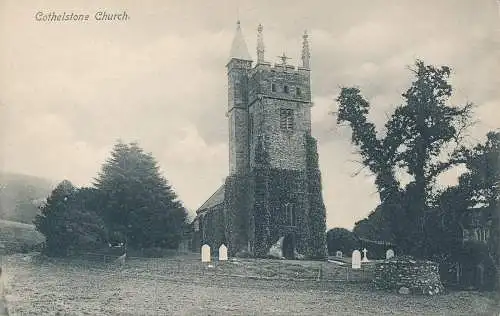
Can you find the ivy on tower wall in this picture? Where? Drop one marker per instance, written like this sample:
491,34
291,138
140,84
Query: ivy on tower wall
261,210
317,214
213,228
238,208
253,216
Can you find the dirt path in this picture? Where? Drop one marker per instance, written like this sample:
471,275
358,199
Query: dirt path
62,289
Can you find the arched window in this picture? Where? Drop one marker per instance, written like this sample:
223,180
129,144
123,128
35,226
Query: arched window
285,89
273,87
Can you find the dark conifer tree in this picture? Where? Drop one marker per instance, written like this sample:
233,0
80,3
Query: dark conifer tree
139,203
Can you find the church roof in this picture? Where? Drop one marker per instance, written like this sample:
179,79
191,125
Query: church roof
216,199
239,48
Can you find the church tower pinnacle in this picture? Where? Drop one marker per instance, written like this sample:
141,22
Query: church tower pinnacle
260,45
306,55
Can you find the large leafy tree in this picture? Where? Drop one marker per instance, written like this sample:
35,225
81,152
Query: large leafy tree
139,203
477,189
476,194
480,184
417,136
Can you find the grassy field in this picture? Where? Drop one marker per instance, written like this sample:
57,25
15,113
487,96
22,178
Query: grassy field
184,286
14,236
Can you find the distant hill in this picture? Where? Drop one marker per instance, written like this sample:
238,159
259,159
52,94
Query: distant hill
20,196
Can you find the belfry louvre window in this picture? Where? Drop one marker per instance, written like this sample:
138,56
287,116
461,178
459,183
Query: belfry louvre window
286,119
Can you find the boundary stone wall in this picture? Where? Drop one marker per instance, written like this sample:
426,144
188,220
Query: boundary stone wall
417,276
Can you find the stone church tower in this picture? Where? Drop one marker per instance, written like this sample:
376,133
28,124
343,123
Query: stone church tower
271,202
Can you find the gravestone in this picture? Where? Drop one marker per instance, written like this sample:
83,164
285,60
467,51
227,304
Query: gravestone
389,254
356,259
222,253
205,253
365,259
338,254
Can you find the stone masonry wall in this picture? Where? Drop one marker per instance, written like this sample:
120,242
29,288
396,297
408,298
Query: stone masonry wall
263,76
238,115
287,149
289,186
419,277
238,144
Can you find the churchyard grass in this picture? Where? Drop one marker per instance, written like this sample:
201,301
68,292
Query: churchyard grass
182,285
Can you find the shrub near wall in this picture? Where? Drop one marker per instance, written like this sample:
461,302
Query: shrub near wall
420,277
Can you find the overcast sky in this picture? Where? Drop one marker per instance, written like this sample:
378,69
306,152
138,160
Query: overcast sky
69,90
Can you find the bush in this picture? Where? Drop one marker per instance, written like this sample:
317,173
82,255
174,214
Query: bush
341,239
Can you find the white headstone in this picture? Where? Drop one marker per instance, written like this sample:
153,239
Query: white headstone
389,254
365,259
356,259
222,253
338,254
205,253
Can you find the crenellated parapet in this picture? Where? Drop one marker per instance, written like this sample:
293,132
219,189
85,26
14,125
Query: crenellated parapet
279,82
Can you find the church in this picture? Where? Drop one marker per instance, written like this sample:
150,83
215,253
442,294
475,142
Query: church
271,202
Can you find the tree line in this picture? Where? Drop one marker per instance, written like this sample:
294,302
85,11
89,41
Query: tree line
129,203
424,137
